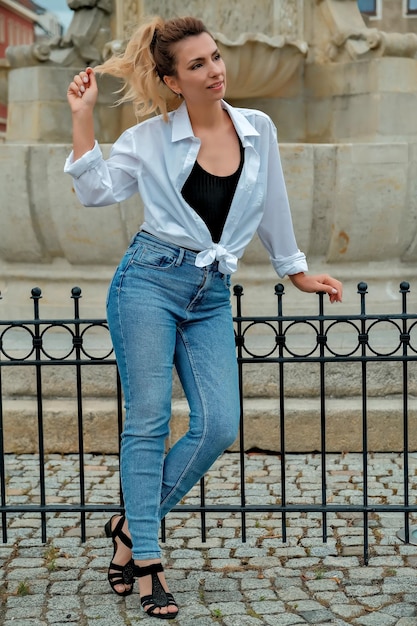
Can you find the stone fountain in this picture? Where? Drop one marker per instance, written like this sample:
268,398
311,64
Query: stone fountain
342,96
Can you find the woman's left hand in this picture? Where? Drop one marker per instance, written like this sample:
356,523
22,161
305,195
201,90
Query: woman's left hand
317,283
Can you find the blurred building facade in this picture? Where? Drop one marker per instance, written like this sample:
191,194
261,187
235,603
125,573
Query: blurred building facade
22,22
391,15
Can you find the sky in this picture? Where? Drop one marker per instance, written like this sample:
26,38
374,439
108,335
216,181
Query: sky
59,8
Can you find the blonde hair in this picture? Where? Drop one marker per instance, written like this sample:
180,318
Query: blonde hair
148,57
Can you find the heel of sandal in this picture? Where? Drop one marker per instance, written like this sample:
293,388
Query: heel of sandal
107,528
119,574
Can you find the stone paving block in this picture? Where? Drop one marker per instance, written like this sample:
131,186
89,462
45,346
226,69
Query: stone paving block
375,619
360,591
242,620
224,564
71,574
218,553
36,587
267,607
260,595
399,584
331,598
23,612
366,574
220,609
303,562
24,622
322,584
24,602
320,616
347,611
196,543
254,582
305,606
202,621
20,573
401,609
213,597
65,603
216,583
290,594
376,602
284,620
190,564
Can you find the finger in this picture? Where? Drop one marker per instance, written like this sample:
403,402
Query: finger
89,76
336,289
329,289
78,85
83,78
333,293
75,89
338,285
336,297
78,80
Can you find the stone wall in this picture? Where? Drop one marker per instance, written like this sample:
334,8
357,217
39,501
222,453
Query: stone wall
231,18
351,203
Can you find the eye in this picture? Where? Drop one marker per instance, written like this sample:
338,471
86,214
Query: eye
217,56
196,66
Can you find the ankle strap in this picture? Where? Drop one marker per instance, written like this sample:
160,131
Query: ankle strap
118,532
154,568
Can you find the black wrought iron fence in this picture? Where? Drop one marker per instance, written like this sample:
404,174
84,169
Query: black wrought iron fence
284,342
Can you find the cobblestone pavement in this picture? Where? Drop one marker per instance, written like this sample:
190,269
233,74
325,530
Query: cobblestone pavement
221,581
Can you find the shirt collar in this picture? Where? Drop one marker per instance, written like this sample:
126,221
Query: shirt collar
182,129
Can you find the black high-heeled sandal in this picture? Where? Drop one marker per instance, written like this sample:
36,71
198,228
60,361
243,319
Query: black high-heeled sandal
159,598
119,574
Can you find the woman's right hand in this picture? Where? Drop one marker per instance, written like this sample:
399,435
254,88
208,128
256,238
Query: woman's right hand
83,91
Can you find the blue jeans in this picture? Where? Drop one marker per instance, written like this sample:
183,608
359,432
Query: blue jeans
163,311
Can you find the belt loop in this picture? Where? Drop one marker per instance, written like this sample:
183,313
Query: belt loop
180,257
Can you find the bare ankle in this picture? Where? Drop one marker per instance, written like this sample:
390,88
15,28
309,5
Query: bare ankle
146,562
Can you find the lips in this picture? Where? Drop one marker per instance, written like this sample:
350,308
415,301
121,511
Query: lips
216,85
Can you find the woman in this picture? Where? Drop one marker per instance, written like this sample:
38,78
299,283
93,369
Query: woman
209,176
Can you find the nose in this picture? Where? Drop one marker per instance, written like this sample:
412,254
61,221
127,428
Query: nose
214,69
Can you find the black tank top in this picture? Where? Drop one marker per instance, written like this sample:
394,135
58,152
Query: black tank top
211,196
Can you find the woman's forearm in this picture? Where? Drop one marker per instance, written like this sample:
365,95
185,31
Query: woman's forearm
83,136
82,96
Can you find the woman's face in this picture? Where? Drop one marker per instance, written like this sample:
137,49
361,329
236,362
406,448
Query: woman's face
201,72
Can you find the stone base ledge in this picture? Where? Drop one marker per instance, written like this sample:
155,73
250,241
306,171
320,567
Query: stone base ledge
258,280
262,425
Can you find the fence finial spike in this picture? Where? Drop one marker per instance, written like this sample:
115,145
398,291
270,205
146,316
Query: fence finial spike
36,293
76,292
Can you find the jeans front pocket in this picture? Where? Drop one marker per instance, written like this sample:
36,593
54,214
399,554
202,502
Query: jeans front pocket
154,257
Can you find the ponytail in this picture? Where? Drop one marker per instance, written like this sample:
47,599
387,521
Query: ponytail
147,58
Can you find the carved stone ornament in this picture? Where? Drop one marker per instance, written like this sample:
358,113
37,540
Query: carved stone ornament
350,39
260,66
81,45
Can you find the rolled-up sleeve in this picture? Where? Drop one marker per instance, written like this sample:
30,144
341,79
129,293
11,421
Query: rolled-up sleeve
100,182
88,161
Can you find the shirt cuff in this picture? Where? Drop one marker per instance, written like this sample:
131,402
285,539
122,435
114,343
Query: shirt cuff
290,265
86,162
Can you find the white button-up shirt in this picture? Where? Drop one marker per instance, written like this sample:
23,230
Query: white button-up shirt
155,158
